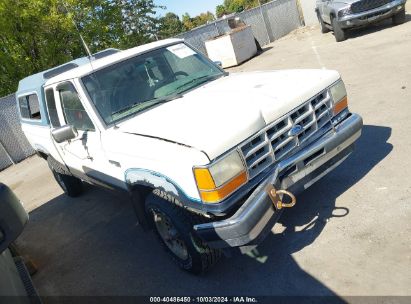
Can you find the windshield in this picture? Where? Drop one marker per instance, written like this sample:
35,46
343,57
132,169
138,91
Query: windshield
146,80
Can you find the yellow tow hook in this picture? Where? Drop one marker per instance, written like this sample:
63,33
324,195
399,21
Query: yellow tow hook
275,198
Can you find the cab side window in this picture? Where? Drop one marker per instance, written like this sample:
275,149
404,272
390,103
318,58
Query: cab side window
29,107
73,110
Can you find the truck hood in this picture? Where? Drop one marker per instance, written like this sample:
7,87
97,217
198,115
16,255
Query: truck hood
219,115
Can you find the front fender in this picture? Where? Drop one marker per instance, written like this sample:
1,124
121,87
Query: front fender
166,187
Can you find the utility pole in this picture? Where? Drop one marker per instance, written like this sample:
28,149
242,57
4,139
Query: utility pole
300,13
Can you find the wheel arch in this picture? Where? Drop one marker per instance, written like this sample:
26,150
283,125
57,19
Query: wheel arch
137,178
41,151
42,154
142,182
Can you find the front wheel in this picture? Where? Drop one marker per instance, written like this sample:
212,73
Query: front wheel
339,33
399,18
174,227
72,186
323,27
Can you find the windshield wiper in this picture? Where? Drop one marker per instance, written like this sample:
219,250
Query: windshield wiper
147,104
203,78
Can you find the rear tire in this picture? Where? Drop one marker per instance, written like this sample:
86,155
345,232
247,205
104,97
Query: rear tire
174,227
323,27
399,18
339,33
72,186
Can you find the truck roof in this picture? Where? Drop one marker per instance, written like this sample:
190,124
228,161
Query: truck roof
77,68
81,66
87,68
35,81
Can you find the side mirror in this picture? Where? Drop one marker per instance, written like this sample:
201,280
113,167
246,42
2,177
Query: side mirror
64,133
219,63
13,217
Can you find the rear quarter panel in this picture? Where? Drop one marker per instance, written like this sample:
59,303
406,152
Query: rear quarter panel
40,139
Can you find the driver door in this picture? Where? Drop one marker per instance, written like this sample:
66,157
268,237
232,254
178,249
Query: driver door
82,153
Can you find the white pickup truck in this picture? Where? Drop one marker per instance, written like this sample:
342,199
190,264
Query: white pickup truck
210,159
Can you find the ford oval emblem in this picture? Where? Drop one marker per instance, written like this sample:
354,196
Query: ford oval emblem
295,131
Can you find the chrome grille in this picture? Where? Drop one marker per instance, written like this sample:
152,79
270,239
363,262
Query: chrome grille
366,5
273,143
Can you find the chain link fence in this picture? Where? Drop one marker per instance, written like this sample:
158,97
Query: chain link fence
14,146
269,22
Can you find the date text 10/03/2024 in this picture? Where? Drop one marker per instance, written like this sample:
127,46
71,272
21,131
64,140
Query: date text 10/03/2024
203,300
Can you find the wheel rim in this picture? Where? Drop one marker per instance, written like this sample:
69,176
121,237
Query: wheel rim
170,235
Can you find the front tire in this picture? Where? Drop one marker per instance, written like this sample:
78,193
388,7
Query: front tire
174,227
72,186
339,33
399,18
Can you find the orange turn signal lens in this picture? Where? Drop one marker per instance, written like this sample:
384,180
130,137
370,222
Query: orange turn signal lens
219,194
204,179
341,105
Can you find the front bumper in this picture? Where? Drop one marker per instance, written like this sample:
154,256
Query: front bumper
371,16
252,222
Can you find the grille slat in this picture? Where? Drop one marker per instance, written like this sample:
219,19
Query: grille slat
255,149
310,124
273,143
319,104
279,133
322,114
282,144
268,154
260,168
280,153
300,118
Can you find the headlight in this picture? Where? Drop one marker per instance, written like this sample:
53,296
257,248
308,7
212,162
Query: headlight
220,179
339,95
344,12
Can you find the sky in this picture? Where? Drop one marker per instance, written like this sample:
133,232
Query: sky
193,7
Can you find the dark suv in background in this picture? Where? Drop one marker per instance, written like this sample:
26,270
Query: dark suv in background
341,15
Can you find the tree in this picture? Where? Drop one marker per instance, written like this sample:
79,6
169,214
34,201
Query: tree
39,34
220,11
33,37
203,18
170,25
116,23
138,21
189,23
236,6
